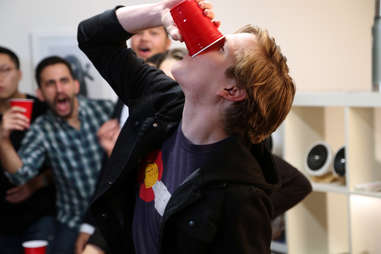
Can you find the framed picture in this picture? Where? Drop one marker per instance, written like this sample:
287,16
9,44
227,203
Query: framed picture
64,44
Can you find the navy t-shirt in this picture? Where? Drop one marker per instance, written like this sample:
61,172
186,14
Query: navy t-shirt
163,171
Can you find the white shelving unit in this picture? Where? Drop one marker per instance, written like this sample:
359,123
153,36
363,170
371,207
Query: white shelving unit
336,219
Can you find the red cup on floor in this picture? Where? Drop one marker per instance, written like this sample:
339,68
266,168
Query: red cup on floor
199,33
27,104
35,247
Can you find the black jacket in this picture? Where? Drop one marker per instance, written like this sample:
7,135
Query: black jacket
223,207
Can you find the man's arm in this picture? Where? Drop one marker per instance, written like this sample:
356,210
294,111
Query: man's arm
103,39
22,165
294,187
20,193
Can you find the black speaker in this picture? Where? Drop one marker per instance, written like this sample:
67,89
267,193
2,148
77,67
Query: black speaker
318,159
339,162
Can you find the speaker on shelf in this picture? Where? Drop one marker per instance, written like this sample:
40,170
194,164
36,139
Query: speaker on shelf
318,159
339,162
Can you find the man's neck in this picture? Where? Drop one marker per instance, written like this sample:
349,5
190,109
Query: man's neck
202,125
4,103
73,119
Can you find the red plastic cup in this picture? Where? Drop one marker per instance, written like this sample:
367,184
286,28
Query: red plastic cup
199,33
35,247
23,103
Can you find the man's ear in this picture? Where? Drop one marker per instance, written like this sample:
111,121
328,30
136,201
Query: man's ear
168,43
76,83
19,75
233,93
39,94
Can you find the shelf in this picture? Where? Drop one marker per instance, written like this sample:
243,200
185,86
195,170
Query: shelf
338,99
365,224
319,224
279,247
367,194
330,187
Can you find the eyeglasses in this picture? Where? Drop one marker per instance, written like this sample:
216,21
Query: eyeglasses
5,71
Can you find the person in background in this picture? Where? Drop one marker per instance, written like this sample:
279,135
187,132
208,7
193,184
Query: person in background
66,134
27,211
145,43
189,172
164,61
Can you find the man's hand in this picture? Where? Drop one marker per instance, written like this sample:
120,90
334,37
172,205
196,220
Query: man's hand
13,119
81,242
19,193
23,192
108,134
92,249
170,25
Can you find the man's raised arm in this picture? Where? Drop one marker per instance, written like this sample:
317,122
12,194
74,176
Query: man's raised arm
12,120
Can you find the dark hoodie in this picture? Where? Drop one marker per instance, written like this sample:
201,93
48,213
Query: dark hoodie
224,207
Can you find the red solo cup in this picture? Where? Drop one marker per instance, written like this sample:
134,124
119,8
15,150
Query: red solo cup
23,103
35,247
199,33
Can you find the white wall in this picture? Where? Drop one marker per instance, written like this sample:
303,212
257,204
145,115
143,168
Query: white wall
327,42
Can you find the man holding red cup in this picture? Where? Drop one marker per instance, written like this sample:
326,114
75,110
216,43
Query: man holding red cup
26,211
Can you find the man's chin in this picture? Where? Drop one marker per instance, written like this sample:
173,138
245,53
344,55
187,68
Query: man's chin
63,114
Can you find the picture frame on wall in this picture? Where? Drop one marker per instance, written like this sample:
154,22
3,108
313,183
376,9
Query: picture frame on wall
64,44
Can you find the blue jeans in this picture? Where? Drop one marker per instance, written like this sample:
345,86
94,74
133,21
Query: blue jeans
64,240
43,229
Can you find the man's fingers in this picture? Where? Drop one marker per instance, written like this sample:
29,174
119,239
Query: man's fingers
16,124
207,8
217,23
13,190
15,113
205,4
15,195
108,126
14,199
15,109
175,34
209,13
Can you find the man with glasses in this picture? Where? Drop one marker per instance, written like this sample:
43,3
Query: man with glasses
26,211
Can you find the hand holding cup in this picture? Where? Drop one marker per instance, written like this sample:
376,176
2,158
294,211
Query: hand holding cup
169,23
13,119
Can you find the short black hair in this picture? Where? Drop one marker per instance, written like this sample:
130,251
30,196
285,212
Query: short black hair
12,55
51,60
159,58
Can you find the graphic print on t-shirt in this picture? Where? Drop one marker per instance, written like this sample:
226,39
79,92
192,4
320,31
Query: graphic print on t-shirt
151,187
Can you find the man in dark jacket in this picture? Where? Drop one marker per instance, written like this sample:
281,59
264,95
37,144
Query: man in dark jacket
189,173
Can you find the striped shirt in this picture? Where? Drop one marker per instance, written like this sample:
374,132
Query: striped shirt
75,156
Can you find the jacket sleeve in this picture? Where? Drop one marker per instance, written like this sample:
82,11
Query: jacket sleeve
294,187
103,40
247,222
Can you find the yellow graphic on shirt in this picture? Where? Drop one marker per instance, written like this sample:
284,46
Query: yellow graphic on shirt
151,175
